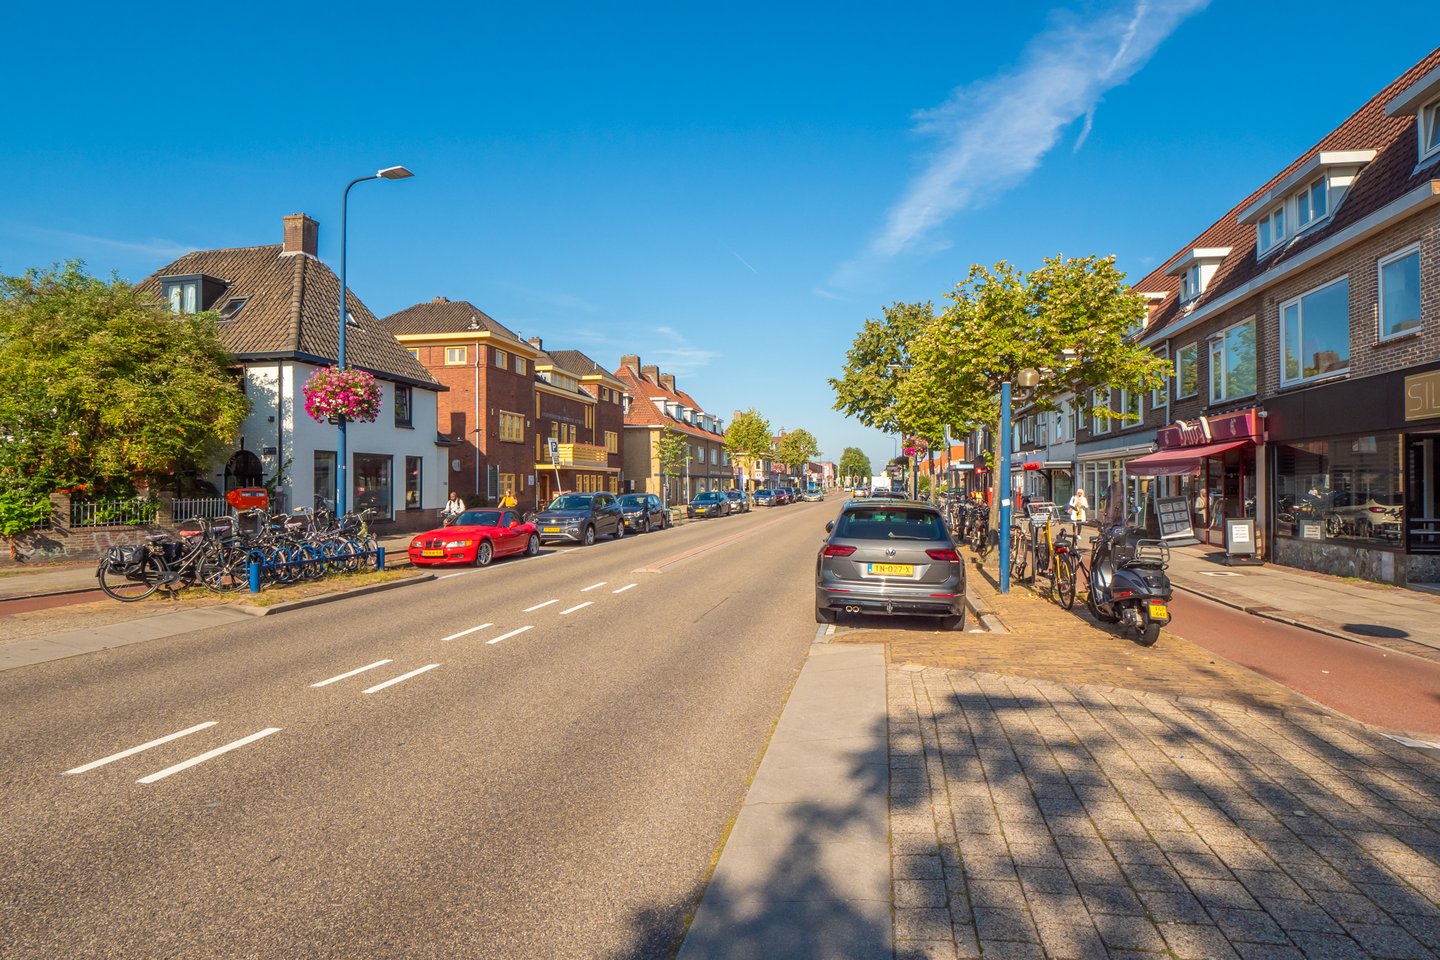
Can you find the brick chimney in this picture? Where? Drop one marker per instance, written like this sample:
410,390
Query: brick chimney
441,300
651,373
302,235
667,380
537,343
632,361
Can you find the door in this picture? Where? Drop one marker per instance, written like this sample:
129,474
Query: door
513,538
1422,493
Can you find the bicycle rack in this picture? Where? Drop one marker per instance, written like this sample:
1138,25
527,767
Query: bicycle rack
258,568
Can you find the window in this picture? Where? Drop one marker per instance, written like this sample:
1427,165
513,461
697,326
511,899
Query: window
1187,371
1271,230
1130,405
325,474
512,427
372,484
183,296
1099,418
1312,203
1400,292
414,352
1159,397
506,484
232,307
520,365
1315,333
1232,362
612,441
501,359
1190,284
412,483
1347,490
456,356
1429,130
589,417
402,405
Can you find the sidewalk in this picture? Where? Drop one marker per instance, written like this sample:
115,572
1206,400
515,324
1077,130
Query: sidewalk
1339,606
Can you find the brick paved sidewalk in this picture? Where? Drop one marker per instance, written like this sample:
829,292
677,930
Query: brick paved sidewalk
1033,818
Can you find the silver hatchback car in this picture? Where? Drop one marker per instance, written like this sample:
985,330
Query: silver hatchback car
890,557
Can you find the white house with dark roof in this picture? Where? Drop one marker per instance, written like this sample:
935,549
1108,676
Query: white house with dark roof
278,307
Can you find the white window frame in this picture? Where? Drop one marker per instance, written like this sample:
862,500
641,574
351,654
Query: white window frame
1160,396
1413,250
501,359
1220,338
1194,346
1277,238
1190,284
456,356
1099,425
1280,317
1427,132
1301,224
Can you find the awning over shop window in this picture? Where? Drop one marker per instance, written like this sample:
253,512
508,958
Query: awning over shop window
1179,461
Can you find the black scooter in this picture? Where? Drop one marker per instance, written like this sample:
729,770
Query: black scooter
1128,584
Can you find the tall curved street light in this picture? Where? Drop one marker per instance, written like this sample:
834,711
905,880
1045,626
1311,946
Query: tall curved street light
1028,379
342,456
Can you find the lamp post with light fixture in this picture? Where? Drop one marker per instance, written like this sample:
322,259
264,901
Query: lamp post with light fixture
342,457
1027,378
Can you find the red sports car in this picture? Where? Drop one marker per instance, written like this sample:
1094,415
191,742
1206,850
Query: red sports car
476,536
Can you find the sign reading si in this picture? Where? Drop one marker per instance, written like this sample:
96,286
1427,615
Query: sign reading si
1422,396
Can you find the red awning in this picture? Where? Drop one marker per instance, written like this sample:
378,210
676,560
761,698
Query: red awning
1179,461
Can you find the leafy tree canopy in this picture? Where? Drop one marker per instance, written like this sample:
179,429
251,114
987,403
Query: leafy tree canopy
854,463
877,363
748,435
673,451
101,386
797,448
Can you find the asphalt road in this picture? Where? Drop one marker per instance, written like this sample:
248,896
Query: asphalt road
1392,690
543,765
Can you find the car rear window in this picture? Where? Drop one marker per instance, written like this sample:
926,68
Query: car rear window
890,523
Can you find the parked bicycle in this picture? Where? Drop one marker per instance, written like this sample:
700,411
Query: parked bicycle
201,551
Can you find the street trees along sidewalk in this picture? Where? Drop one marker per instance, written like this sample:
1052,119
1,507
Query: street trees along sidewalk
797,448
102,387
916,371
854,463
747,438
672,449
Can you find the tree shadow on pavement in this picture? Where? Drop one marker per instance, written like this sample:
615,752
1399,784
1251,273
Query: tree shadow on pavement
1075,820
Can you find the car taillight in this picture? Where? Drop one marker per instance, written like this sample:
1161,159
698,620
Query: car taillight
943,554
838,550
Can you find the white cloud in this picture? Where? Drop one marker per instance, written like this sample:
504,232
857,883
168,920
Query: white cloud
993,133
155,248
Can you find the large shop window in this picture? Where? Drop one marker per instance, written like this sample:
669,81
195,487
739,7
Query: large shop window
1232,362
1346,490
1315,333
372,484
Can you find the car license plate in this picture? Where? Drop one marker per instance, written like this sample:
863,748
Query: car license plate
432,553
552,529
892,569
1158,611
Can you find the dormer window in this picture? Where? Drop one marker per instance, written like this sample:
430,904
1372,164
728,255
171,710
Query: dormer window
191,294
1196,269
1421,100
1430,130
1312,203
1308,196
1270,230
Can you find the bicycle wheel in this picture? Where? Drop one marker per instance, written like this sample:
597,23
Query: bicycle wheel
225,569
313,565
1017,556
1065,580
350,559
1041,557
127,587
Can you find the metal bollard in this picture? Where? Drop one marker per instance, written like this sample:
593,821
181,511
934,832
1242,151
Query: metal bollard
379,558
254,577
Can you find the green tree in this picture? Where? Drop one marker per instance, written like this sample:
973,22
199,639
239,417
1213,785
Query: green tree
103,388
673,451
878,363
797,448
854,465
747,439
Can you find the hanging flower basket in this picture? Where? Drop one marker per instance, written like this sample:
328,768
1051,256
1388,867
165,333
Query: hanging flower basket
331,394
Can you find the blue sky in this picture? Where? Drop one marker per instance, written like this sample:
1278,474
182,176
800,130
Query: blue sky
727,189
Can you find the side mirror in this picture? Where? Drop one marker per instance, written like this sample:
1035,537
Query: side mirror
829,526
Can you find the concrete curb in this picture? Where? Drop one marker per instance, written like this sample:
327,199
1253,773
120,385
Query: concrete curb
984,613
50,593
316,601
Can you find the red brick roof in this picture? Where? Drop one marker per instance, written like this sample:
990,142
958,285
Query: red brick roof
644,413
1391,174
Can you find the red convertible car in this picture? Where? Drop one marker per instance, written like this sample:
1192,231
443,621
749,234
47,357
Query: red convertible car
476,536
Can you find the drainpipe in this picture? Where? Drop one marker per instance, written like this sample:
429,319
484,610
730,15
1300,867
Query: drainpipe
475,431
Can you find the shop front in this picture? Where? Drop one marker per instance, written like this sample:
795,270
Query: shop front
1210,463
1356,469
1042,479
1114,493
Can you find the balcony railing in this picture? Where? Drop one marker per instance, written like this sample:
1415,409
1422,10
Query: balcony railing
583,454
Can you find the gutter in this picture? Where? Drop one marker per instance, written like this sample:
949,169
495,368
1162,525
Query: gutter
1425,195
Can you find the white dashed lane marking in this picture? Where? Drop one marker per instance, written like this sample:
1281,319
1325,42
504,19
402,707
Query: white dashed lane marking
540,605
580,606
350,673
208,755
593,586
400,679
140,749
512,633
463,633
624,588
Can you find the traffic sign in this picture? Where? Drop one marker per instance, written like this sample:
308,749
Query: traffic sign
554,452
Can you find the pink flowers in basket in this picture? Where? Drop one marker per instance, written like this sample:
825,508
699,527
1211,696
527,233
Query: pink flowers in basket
349,393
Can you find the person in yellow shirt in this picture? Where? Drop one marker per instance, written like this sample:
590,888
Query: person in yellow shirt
507,500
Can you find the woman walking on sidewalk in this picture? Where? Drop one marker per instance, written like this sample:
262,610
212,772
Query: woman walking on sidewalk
1079,508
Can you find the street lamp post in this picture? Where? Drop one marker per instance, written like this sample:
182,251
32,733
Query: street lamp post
342,457
1027,378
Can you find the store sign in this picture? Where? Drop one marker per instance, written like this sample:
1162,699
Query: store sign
1202,430
1173,515
1422,396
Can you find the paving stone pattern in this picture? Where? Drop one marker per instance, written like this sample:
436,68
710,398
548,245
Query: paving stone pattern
1035,818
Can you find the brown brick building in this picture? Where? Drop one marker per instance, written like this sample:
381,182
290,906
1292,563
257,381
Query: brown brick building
654,404
580,406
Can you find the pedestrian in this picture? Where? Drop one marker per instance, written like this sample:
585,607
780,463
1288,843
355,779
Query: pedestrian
507,500
1079,508
453,508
